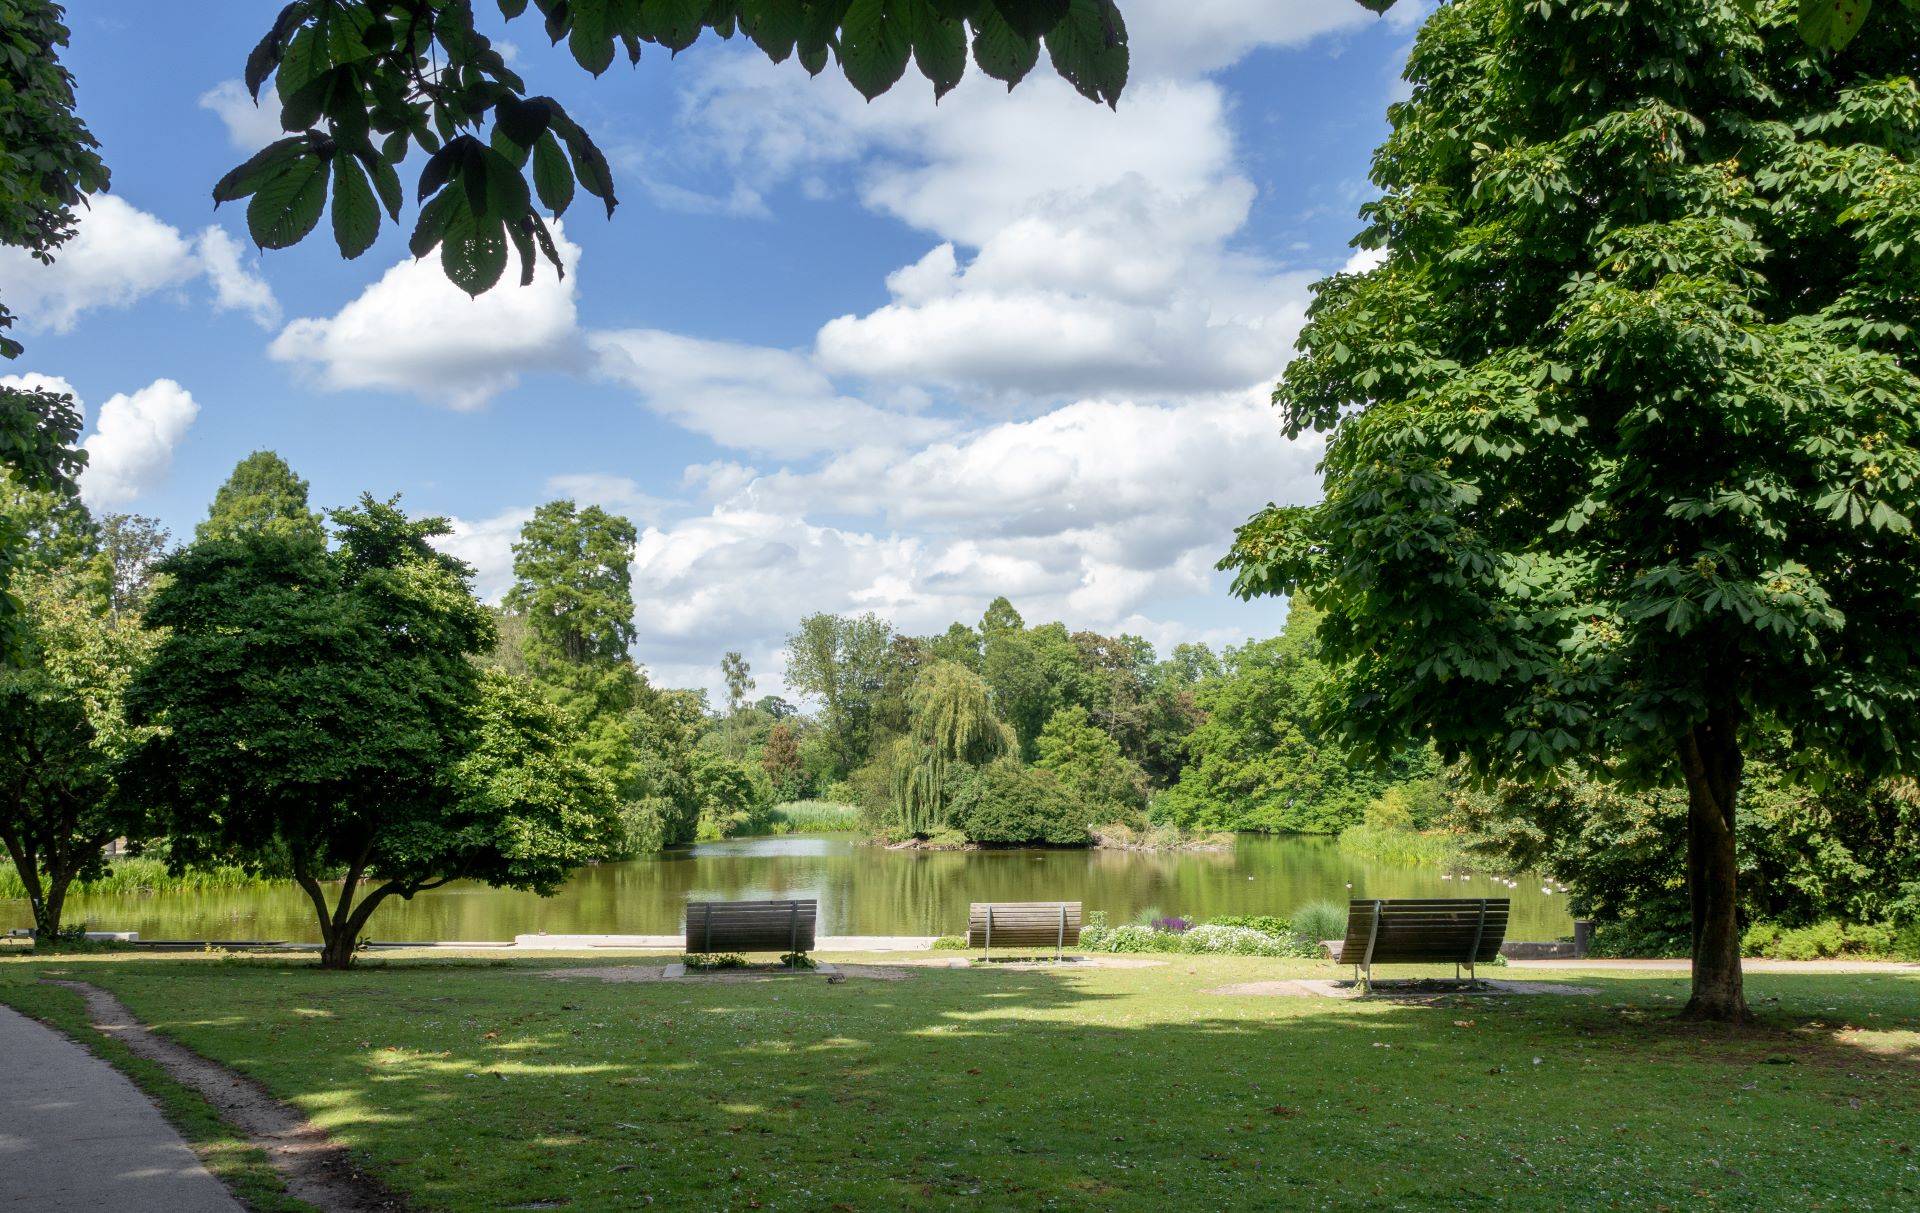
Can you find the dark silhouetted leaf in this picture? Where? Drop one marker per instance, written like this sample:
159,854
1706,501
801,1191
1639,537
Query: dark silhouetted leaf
1031,18
261,165
551,176
356,216
1089,49
1000,50
288,203
874,44
939,49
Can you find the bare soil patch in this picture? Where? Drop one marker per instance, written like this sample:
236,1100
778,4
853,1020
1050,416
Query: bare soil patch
316,1168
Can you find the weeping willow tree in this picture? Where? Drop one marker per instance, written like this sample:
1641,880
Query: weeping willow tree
952,721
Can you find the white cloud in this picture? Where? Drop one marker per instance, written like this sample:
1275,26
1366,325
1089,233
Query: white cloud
1187,37
1363,260
1079,250
120,255
236,285
250,127
487,545
748,397
1101,513
413,331
131,447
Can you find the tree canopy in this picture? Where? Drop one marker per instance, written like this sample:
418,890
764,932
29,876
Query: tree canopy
323,701
362,83
1624,452
48,164
261,493
63,730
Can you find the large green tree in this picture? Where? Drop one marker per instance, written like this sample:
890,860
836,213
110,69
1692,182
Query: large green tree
848,663
573,581
1260,757
1624,451
261,493
63,730
323,702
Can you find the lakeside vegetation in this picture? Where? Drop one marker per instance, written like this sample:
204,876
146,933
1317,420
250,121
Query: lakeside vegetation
814,817
144,876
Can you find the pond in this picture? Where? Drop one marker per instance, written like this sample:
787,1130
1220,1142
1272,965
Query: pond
863,890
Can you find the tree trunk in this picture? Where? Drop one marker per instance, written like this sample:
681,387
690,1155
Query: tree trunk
1711,760
48,910
26,861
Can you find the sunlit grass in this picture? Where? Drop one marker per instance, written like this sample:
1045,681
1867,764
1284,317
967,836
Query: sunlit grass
481,1085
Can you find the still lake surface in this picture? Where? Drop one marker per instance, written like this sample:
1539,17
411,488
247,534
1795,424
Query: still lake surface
863,890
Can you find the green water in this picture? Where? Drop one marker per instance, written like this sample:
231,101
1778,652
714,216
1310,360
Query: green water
863,890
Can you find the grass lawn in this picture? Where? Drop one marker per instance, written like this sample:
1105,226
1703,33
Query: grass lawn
486,1085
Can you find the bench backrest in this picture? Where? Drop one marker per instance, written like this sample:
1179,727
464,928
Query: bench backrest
1439,930
1023,924
750,926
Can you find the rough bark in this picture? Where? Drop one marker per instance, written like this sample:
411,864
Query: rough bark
1711,760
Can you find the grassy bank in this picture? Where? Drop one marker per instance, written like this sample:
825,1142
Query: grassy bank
143,876
475,1085
1386,844
814,817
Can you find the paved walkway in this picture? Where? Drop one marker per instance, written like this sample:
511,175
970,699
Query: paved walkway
76,1135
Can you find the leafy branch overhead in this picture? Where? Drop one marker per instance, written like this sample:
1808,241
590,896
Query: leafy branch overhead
362,83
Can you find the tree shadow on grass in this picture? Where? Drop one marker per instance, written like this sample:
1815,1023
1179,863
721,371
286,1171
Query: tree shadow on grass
488,1085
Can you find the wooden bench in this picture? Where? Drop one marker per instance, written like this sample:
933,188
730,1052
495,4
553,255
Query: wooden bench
750,926
1441,930
1023,924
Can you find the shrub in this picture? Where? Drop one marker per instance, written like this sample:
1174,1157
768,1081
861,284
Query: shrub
1319,920
1906,942
1824,940
718,960
1243,941
950,943
1005,802
1174,925
798,960
1129,938
1269,924
946,838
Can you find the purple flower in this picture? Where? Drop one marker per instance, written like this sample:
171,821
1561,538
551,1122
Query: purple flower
1173,925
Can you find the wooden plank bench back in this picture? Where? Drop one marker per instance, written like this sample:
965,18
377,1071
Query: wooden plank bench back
1023,924
1440,930
750,926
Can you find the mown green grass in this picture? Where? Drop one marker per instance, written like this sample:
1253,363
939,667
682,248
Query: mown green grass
476,1085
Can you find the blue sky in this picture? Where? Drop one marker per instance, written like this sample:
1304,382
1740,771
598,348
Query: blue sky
828,355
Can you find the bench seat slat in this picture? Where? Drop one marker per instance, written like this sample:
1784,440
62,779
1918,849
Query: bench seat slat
1024,924
751,926
1425,930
